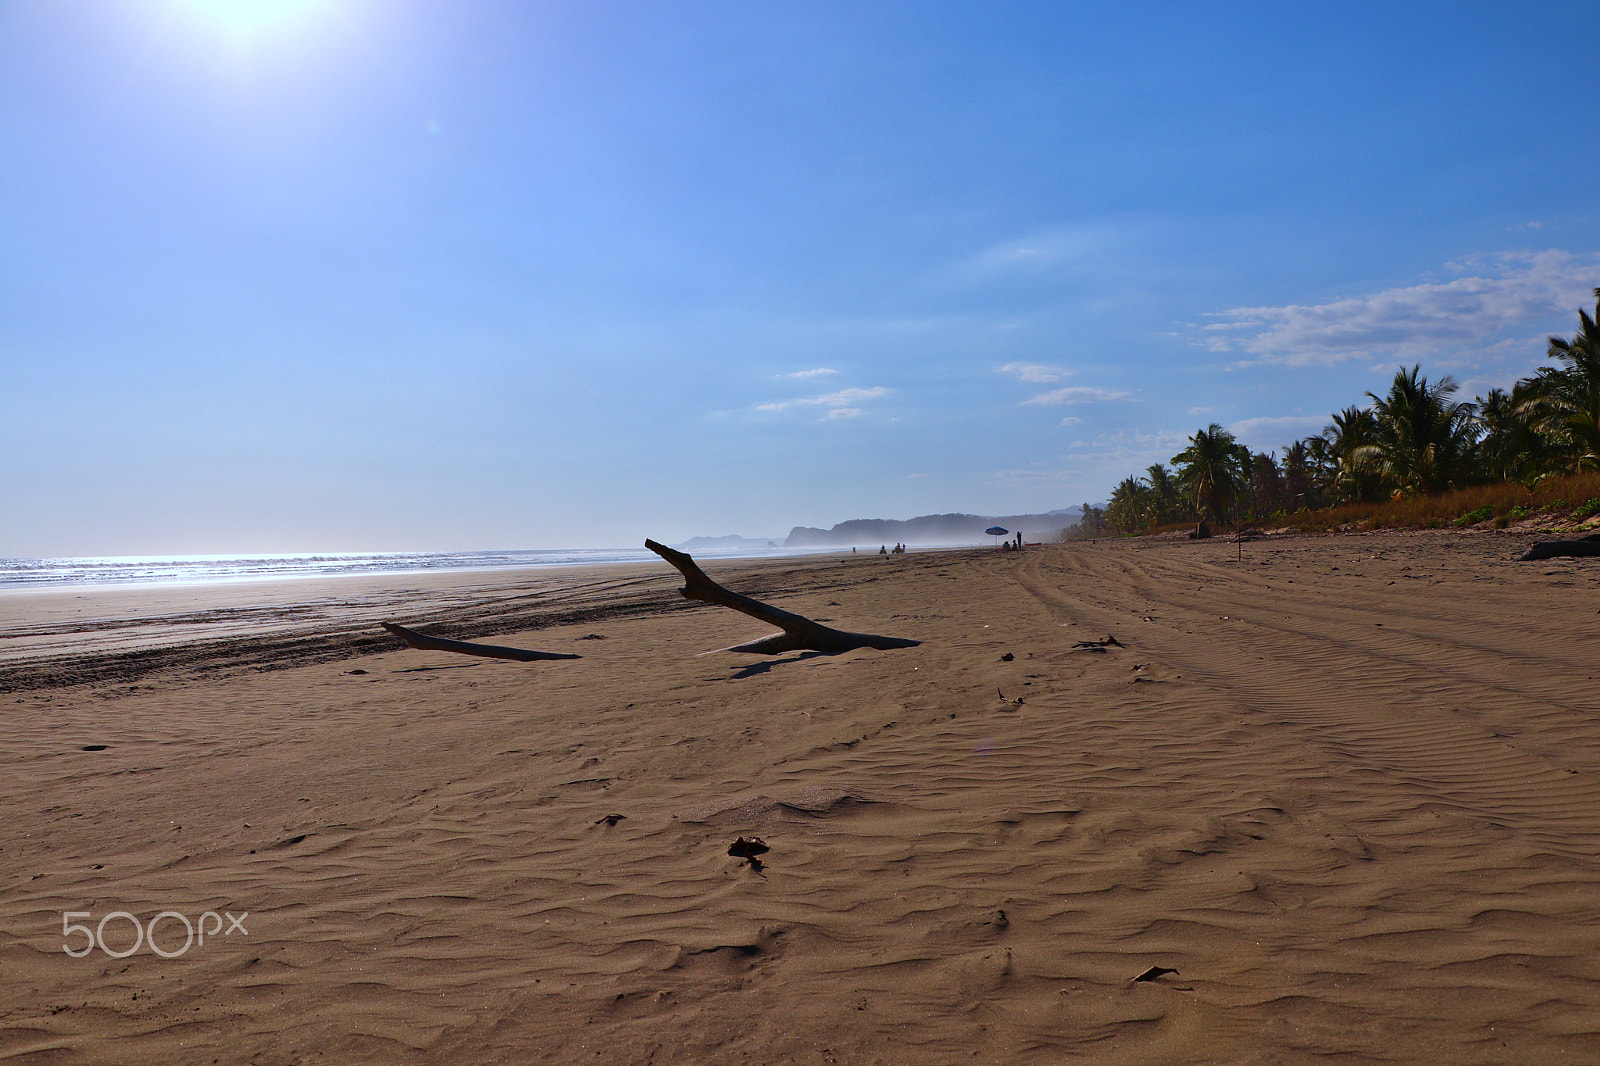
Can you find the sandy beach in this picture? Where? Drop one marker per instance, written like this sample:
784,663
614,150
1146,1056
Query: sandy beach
1326,799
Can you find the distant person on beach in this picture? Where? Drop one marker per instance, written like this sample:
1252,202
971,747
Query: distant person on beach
883,549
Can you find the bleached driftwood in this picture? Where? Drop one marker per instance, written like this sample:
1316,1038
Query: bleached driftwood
799,633
423,642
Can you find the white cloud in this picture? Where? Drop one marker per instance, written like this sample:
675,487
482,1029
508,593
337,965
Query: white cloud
842,398
1079,246
1034,372
1106,459
846,412
1055,480
819,372
1071,420
918,475
1075,394
1200,410
1129,449
848,396
1274,432
1521,293
1140,442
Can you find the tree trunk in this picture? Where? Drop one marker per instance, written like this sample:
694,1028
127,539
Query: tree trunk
798,634
1549,549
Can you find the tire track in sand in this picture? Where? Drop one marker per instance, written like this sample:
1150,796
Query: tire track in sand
1416,708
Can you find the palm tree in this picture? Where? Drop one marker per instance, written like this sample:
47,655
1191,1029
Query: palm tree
1298,475
1091,522
1129,509
1266,485
1511,449
1424,438
1211,469
1323,467
1166,498
1348,443
1564,401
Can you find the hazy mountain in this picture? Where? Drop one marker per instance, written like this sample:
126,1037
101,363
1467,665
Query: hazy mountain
732,540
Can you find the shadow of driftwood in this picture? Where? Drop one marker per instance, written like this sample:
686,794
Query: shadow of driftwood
762,667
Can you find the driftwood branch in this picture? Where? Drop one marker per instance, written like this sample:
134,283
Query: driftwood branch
799,633
422,642
1549,549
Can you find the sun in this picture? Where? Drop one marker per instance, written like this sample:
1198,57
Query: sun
246,17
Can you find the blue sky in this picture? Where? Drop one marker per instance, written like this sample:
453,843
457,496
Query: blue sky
333,275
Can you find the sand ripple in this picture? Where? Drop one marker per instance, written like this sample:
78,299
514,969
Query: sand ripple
1342,793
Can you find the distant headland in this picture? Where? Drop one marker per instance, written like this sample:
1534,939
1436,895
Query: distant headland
930,529
731,541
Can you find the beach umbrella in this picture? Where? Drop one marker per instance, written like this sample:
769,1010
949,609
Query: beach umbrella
997,531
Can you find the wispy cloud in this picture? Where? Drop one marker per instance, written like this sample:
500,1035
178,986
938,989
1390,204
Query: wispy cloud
1040,479
819,372
1525,293
1103,460
1075,394
1274,432
1128,449
849,396
1064,246
1071,420
844,398
1034,372
1139,442
846,412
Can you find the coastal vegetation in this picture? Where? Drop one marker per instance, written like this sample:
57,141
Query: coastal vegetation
1414,456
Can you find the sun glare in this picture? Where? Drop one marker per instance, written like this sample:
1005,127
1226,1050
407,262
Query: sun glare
245,17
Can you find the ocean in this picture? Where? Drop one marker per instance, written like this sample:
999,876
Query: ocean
207,569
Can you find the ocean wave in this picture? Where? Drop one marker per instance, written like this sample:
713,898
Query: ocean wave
208,569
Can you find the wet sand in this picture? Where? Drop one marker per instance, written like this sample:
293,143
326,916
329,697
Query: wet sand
1334,800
